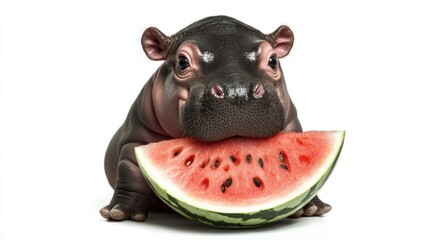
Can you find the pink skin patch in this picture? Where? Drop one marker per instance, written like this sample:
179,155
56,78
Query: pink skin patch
183,97
266,52
191,52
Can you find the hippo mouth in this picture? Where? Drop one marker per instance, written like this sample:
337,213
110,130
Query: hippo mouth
206,116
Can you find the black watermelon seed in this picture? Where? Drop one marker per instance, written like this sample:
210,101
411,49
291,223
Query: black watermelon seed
217,164
189,160
205,163
249,158
177,151
282,156
222,188
233,159
283,166
257,182
261,162
228,182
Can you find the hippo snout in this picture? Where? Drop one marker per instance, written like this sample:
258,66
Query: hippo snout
225,110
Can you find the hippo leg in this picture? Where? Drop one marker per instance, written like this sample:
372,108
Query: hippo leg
314,208
132,197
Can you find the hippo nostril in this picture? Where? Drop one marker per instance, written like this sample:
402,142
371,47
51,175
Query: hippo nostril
258,91
217,91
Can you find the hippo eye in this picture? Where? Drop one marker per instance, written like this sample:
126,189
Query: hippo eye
183,63
272,63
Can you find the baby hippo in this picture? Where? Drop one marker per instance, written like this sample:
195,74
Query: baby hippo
219,78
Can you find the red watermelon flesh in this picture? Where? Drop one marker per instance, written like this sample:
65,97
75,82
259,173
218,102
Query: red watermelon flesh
238,172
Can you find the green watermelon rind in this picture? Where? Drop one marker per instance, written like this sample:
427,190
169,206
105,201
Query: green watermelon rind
247,219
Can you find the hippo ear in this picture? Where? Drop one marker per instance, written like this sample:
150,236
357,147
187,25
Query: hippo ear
281,40
155,44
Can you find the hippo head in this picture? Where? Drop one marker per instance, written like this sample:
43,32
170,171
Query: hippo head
221,78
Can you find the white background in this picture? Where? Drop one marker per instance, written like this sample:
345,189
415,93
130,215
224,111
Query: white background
70,70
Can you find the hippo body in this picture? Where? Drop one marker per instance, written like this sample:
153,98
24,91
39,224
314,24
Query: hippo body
220,78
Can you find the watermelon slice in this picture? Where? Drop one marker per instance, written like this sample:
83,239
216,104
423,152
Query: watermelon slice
240,182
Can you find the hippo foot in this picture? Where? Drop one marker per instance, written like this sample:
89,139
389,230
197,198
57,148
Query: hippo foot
314,208
132,197
126,206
